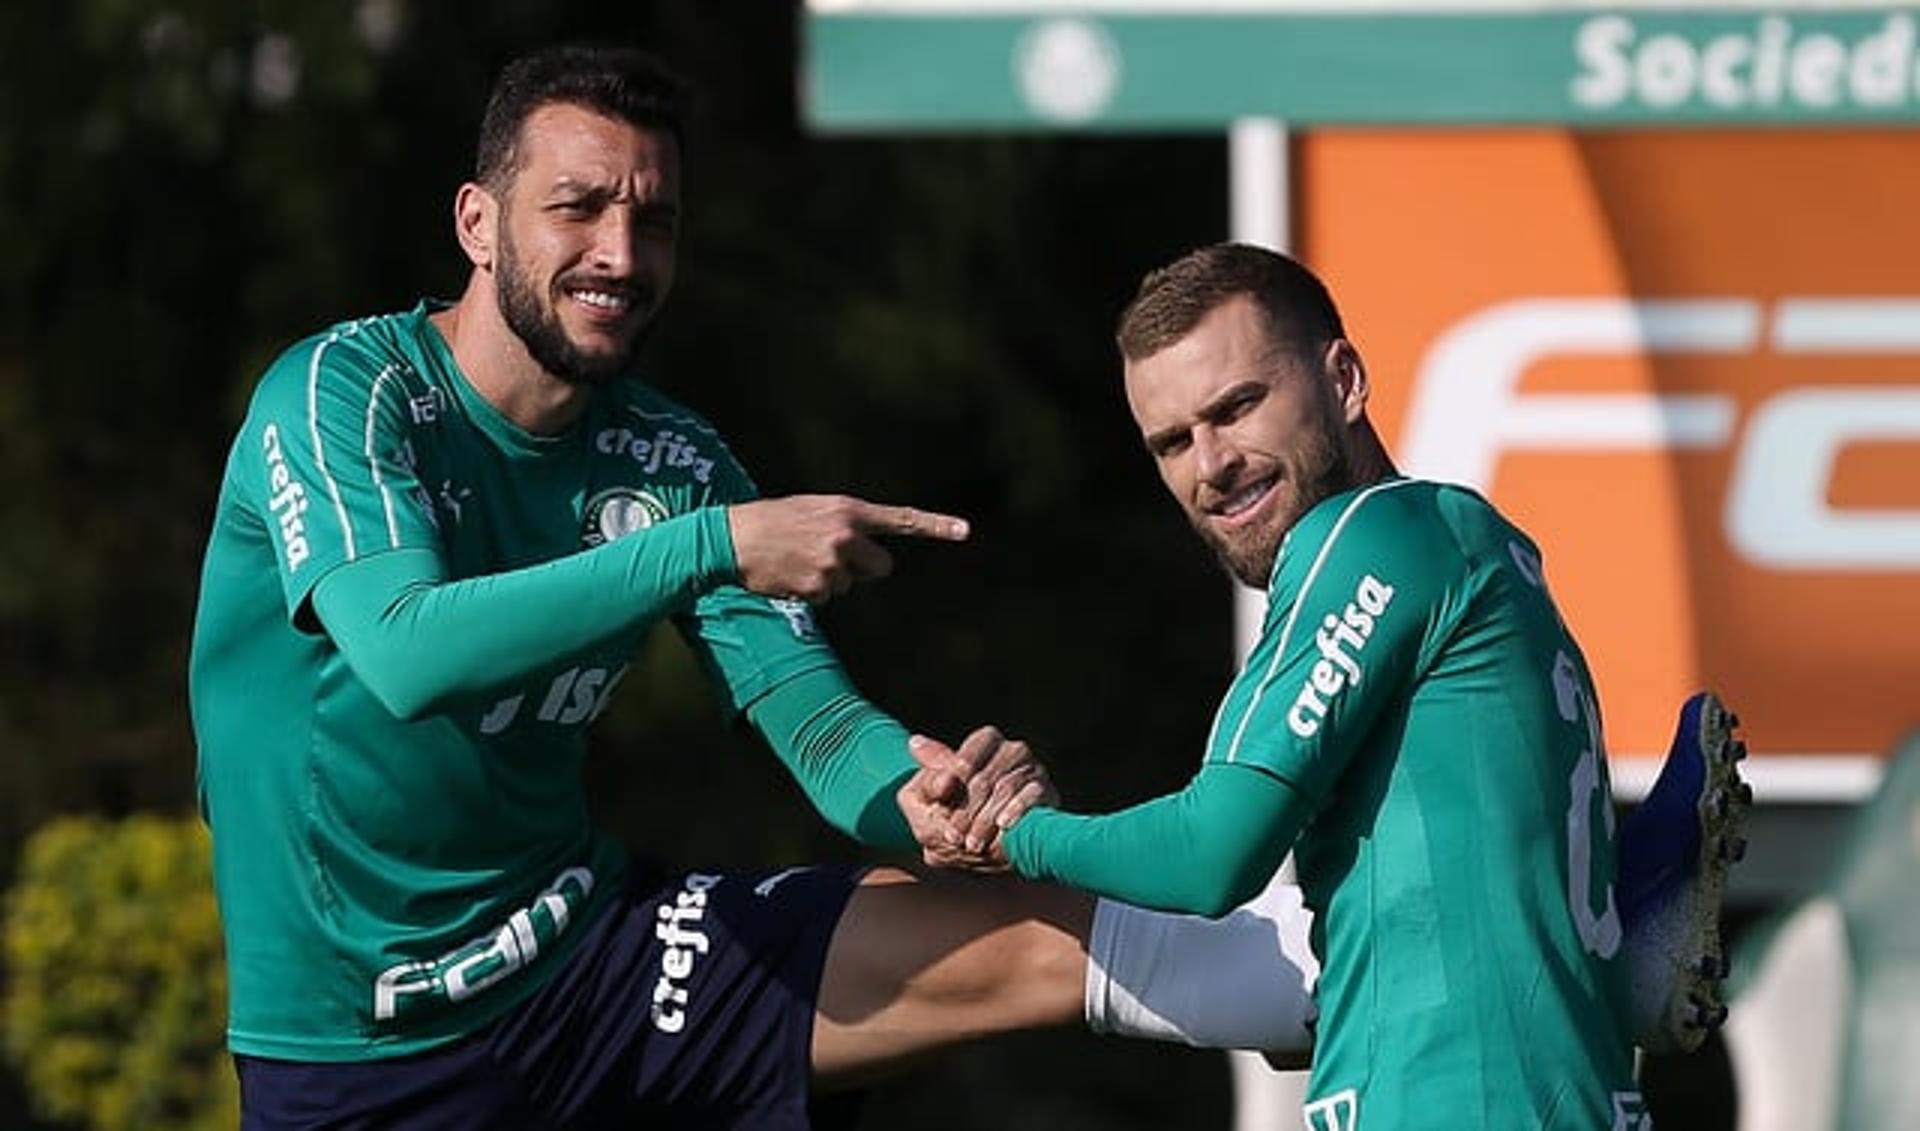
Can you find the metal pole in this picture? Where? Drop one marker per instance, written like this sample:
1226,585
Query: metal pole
1260,208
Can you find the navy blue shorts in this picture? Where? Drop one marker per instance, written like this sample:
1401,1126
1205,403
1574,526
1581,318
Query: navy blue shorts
688,1005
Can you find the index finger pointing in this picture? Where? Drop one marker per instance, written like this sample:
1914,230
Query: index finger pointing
879,518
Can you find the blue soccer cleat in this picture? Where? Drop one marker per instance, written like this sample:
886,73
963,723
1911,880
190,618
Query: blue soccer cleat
1674,854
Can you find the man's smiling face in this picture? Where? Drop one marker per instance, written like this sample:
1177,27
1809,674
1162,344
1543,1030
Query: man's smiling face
1247,434
588,225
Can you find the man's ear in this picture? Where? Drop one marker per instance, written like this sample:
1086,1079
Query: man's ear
1351,386
476,218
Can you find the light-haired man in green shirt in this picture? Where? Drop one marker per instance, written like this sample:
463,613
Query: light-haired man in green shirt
1415,722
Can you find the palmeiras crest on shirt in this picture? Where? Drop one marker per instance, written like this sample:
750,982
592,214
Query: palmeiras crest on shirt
619,511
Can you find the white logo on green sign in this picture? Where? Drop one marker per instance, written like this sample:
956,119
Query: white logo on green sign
1067,69
1776,65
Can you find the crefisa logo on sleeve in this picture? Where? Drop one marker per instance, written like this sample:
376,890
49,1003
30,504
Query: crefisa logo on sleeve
287,499
619,511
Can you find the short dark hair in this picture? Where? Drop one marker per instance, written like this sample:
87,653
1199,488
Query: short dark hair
1172,300
620,82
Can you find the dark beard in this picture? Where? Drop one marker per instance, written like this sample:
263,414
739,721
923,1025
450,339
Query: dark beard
538,326
1326,471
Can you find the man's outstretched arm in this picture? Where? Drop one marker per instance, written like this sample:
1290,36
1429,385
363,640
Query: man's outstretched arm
1204,850
417,640
393,614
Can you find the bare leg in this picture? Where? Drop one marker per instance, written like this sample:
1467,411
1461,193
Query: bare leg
920,963
917,964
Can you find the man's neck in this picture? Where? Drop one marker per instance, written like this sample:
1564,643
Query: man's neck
1368,457
496,363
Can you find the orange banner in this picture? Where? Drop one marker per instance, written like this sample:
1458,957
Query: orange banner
1689,364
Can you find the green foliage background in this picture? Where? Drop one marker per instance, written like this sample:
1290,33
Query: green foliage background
116,992
187,186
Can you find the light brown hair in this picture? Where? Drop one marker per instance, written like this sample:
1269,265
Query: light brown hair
1172,300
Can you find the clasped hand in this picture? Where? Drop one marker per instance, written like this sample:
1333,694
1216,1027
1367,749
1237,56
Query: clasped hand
961,800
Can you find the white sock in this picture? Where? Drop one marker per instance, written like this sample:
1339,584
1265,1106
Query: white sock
1242,981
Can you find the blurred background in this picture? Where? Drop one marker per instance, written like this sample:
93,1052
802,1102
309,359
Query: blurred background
1684,359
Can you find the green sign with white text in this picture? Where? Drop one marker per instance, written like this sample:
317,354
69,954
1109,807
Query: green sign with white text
1142,69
